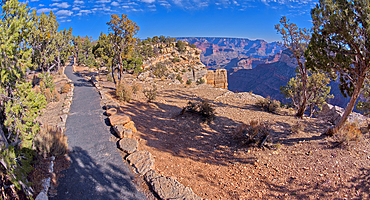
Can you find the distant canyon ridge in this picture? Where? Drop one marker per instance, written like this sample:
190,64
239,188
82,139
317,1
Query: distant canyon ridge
253,65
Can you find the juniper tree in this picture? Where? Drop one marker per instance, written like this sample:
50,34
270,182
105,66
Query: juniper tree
340,46
296,40
122,38
19,106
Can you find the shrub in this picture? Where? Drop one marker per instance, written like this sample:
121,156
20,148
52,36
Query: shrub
48,95
204,109
349,132
51,141
151,94
135,88
159,70
123,92
201,81
183,70
65,88
109,78
254,133
178,77
297,127
188,82
269,105
176,59
48,80
55,95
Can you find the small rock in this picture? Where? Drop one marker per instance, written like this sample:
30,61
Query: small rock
65,110
131,125
111,111
64,118
42,196
142,161
128,145
119,119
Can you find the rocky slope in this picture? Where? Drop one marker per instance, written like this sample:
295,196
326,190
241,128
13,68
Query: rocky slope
220,52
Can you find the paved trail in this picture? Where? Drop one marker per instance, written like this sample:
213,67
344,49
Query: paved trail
97,170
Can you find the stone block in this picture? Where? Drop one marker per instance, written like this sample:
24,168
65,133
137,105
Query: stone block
119,119
128,145
111,111
142,161
131,125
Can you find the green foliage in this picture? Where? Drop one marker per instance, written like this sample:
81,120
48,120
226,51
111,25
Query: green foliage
150,94
178,77
296,40
180,46
109,78
269,105
188,82
122,38
123,92
20,126
176,59
193,46
201,81
135,88
364,103
317,91
348,134
47,79
340,45
159,70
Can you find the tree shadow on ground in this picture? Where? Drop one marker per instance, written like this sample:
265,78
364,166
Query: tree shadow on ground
186,135
326,189
97,182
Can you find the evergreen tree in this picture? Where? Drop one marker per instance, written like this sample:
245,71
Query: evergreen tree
19,106
340,46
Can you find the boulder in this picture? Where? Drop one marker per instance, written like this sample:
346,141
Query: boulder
169,188
143,76
123,132
64,118
128,145
111,111
119,119
333,114
142,161
131,125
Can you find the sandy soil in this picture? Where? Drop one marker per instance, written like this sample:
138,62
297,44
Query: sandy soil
208,158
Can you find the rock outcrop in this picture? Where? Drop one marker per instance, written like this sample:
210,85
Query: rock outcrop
217,78
333,114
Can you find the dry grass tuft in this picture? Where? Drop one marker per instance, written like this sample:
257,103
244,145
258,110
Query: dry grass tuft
269,105
123,92
350,132
51,141
150,94
254,133
65,88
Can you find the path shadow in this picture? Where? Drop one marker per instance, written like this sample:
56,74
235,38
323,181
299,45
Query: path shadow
85,179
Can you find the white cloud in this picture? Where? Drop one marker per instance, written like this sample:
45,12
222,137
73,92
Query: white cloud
68,20
46,10
125,6
41,5
34,0
114,3
64,12
78,2
76,8
84,12
148,1
103,1
61,5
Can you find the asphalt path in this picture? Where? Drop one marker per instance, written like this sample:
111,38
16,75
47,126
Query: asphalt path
97,170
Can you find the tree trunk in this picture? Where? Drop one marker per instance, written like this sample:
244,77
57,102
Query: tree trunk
356,93
302,107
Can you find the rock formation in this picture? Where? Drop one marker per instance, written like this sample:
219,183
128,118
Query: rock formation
217,78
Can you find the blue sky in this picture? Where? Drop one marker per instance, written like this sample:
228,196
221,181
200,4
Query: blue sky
253,19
